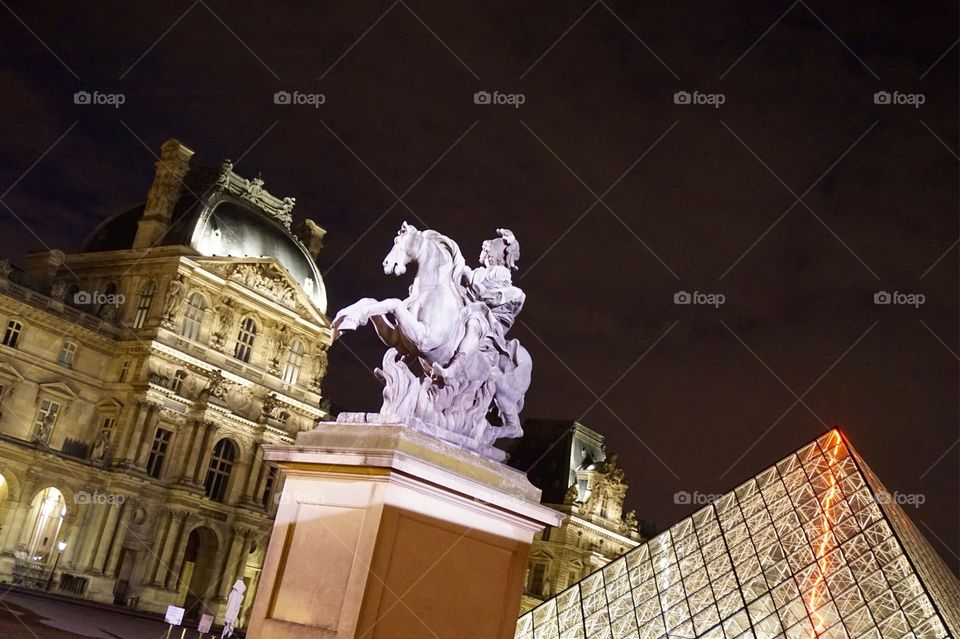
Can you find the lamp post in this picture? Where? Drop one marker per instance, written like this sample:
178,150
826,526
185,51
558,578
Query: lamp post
61,546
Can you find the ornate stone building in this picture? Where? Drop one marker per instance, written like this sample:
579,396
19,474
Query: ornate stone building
139,378
569,463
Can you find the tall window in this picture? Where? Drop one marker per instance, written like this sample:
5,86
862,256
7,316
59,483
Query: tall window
291,372
269,485
124,370
147,293
67,352
218,473
11,337
537,573
47,413
193,316
158,452
248,333
178,379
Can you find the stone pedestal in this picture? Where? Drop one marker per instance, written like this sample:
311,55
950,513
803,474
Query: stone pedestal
386,533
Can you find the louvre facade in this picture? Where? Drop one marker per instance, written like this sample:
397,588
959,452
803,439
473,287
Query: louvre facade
140,378
811,547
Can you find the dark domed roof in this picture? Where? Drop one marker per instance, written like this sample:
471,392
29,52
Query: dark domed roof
218,223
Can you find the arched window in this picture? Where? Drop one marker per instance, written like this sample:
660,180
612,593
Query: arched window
147,294
46,516
291,372
245,338
218,473
193,316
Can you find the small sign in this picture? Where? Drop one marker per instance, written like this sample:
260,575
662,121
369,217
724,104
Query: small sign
174,615
205,622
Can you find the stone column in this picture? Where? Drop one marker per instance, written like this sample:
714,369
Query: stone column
179,548
184,464
126,450
22,511
144,438
155,548
446,533
253,478
237,551
94,534
106,538
201,454
110,568
177,518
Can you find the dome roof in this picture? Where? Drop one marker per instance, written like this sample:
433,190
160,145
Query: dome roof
220,223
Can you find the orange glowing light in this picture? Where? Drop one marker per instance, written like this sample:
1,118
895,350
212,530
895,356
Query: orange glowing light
833,450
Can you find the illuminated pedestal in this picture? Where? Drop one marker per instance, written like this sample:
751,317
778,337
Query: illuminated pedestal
387,533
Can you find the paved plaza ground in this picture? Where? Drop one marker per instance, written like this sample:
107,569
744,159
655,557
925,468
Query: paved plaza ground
37,616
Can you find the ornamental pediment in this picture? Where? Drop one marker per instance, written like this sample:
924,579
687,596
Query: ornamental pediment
265,277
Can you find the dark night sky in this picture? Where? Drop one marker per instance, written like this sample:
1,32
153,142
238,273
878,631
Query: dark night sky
694,198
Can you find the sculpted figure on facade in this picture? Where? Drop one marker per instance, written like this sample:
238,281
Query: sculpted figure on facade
59,290
6,268
320,364
450,360
223,321
176,291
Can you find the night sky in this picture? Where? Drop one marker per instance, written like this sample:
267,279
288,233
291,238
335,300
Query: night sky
798,198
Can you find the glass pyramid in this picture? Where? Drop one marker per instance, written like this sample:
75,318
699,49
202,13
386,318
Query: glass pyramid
811,547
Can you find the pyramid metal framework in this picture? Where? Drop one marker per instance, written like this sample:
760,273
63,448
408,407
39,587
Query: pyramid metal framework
812,547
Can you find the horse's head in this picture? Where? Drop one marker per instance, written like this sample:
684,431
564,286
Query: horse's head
406,249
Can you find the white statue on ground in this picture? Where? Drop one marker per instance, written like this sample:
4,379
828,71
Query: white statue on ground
233,608
449,360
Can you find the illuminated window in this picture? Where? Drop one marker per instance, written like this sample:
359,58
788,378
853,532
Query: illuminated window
291,371
11,336
193,316
147,294
67,351
47,512
158,452
178,379
248,333
218,472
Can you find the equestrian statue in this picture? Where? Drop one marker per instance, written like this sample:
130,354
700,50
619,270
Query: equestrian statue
450,370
